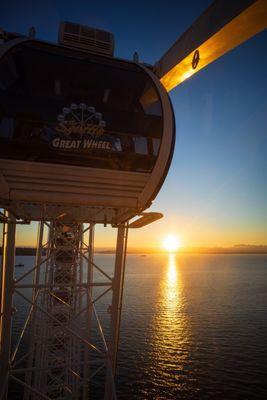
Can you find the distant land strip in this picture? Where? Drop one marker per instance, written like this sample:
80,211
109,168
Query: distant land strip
238,249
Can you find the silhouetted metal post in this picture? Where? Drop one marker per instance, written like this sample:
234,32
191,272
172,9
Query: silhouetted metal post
118,282
117,289
6,301
36,281
90,271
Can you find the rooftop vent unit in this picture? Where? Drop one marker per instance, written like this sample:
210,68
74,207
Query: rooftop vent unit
86,38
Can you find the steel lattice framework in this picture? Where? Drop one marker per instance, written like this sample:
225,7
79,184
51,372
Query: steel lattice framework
66,347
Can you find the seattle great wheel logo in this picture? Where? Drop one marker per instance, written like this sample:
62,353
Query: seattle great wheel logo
79,120
81,128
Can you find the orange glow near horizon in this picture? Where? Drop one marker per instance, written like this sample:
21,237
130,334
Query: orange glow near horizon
192,234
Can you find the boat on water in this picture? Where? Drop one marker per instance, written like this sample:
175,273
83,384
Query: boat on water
19,265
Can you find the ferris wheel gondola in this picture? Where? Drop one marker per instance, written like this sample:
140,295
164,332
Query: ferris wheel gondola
89,132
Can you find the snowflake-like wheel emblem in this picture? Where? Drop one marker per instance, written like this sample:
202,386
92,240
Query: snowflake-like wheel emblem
78,120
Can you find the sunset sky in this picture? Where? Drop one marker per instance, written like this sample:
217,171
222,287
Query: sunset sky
216,190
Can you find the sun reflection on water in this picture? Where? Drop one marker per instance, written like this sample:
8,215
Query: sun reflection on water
170,328
171,296
171,285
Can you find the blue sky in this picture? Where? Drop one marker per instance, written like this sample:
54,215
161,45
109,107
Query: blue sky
215,193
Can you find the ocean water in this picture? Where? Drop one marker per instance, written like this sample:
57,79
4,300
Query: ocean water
193,326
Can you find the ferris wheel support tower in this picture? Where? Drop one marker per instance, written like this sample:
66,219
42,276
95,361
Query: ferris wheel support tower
85,149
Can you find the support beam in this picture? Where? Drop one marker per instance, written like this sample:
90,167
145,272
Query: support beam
89,308
118,282
6,301
117,288
36,279
222,27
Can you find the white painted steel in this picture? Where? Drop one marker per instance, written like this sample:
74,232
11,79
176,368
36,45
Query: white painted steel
48,370
63,184
7,275
116,306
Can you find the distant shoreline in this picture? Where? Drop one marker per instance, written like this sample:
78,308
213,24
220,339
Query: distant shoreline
185,252
243,249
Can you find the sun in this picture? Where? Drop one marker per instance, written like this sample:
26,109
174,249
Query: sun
172,243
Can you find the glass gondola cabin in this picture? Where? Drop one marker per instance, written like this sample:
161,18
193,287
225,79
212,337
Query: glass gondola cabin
80,130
